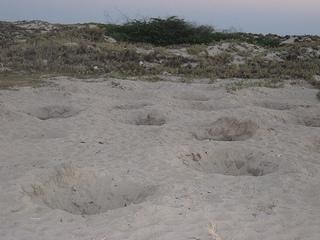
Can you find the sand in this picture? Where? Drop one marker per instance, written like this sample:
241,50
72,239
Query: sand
106,159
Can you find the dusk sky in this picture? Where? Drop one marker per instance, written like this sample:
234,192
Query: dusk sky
261,16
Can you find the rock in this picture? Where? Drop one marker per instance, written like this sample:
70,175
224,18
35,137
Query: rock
165,73
35,25
240,48
92,26
4,69
238,60
109,39
20,41
307,39
71,44
182,52
290,40
203,54
217,49
150,65
252,48
214,51
93,48
144,51
317,78
313,53
273,57
190,65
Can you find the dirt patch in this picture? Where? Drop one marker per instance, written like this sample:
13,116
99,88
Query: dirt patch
83,191
227,129
54,111
232,162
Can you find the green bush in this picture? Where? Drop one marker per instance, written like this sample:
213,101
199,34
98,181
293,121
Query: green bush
161,32
173,30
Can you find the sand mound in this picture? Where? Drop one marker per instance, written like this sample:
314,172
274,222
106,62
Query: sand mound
232,162
82,191
227,129
53,111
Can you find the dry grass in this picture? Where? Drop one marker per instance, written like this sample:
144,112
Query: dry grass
212,231
83,51
246,83
12,80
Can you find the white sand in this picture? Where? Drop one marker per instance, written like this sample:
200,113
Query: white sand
103,160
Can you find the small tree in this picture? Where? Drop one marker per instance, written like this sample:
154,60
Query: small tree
158,31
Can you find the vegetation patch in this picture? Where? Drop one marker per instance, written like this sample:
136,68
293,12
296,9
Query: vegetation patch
154,49
12,80
241,84
174,30
163,32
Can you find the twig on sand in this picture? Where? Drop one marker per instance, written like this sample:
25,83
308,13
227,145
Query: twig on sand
212,230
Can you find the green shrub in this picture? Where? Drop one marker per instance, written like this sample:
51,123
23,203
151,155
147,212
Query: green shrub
173,30
161,32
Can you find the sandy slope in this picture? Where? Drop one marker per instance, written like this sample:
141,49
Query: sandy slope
108,160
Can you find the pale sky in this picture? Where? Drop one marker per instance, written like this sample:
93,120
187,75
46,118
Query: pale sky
261,16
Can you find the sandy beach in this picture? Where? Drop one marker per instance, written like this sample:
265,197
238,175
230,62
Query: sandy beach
108,159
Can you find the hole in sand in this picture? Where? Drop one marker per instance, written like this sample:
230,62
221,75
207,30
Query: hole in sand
83,191
310,121
315,145
202,106
207,106
54,111
231,162
132,106
227,129
150,118
276,106
192,97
